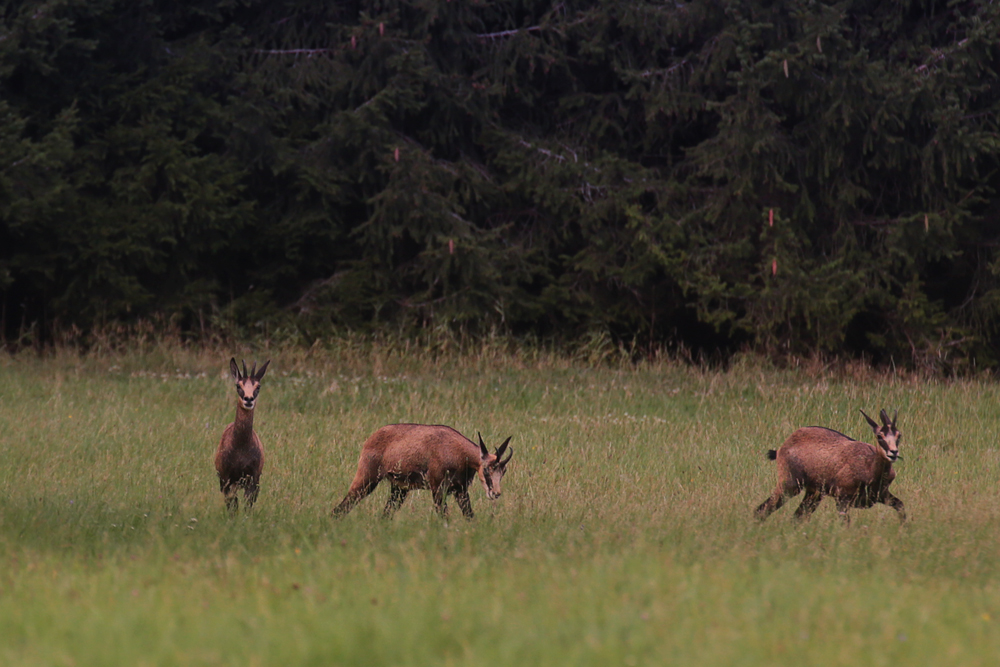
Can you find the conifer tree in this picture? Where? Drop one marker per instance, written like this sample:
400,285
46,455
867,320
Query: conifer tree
797,177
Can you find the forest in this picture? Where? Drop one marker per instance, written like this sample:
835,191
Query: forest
789,177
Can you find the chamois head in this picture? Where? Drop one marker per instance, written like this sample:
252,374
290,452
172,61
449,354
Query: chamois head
887,435
247,384
492,467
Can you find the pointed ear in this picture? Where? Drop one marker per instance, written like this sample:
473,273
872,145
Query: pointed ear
482,446
871,422
263,369
503,447
234,369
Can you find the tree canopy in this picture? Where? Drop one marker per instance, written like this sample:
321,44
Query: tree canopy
797,176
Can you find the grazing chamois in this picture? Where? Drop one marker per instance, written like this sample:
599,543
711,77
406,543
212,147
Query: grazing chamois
418,456
824,462
239,459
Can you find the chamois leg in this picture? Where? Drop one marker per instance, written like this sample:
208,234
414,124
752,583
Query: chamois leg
843,504
229,491
396,497
363,484
809,504
896,504
462,498
440,495
766,508
251,487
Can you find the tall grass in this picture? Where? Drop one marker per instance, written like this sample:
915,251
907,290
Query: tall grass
624,535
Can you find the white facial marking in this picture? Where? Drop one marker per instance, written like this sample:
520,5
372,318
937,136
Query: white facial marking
246,392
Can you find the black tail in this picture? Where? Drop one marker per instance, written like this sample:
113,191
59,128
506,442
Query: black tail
771,454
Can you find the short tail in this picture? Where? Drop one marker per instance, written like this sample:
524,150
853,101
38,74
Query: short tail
771,454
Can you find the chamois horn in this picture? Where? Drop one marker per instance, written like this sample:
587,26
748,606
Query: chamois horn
501,449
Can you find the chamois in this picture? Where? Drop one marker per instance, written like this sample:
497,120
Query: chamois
418,456
239,459
827,463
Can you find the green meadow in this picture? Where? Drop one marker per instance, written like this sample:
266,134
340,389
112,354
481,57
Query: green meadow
624,535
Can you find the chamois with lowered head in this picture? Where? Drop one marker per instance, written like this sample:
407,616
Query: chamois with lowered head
418,456
824,462
239,459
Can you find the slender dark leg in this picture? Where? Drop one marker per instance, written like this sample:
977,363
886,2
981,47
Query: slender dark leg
440,494
229,492
462,498
364,483
396,498
765,509
896,504
843,504
809,504
251,487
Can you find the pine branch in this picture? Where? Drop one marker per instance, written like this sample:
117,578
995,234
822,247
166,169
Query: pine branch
506,33
535,28
547,153
664,72
292,52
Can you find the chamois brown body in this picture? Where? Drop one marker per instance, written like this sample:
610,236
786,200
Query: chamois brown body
239,460
419,456
823,462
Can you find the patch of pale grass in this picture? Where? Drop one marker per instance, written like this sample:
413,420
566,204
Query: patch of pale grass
624,535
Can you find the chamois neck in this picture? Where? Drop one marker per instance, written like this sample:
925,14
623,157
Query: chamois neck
243,425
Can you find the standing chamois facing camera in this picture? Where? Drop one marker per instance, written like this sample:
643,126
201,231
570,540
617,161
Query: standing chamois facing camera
239,459
417,456
823,462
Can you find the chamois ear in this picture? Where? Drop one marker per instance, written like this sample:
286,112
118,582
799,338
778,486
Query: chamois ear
234,369
871,422
263,369
482,446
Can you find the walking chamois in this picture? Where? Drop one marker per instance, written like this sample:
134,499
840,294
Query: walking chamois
418,456
239,459
824,462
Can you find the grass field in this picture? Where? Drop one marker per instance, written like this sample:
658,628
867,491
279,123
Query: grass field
624,535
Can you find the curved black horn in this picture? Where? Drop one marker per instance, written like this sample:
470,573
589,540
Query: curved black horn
510,453
884,416
895,413
501,448
871,422
482,446
253,371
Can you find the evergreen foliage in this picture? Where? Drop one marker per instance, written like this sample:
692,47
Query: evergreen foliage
801,177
